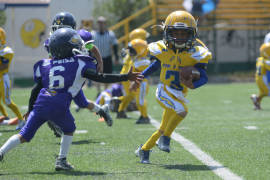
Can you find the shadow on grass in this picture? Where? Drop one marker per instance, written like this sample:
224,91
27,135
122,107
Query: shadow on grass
8,130
191,167
88,141
67,173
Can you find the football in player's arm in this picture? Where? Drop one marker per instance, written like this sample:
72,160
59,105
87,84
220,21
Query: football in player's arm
178,50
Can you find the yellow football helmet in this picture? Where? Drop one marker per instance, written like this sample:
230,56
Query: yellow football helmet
265,50
2,36
180,30
138,48
138,34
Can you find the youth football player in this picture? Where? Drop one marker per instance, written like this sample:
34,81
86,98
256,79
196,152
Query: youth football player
262,76
176,51
67,20
137,54
127,63
6,56
59,80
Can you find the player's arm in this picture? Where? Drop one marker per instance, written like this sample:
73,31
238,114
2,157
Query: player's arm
5,62
152,68
201,67
94,50
112,78
34,94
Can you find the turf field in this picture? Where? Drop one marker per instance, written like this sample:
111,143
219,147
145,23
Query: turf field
221,123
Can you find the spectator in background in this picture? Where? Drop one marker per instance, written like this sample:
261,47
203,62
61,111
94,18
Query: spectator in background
199,8
106,41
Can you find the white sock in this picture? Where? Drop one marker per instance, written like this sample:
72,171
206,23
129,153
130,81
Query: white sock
65,144
11,143
96,107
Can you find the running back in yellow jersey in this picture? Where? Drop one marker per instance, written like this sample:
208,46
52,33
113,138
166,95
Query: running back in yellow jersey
172,62
6,56
262,66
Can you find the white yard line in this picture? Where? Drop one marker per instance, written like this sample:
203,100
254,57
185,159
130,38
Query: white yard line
251,127
206,159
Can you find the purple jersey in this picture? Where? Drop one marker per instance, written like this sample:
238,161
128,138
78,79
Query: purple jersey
115,90
80,99
61,80
63,75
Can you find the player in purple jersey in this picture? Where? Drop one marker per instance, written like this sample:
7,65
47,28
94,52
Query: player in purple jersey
66,19
110,96
58,81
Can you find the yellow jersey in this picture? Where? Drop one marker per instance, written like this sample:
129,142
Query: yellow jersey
262,66
6,56
140,64
172,62
127,63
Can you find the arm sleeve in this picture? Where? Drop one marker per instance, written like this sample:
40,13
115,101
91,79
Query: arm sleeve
152,68
80,100
34,94
268,76
104,78
201,67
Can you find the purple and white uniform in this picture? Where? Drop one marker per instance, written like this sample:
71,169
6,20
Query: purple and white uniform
80,100
62,81
116,90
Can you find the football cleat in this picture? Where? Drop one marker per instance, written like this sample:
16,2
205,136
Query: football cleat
143,120
56,129
164,143
144,155
20,125
105,113
255,101
121,115
62,164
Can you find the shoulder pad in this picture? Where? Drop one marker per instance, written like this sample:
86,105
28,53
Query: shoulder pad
6,50
201,54
155,48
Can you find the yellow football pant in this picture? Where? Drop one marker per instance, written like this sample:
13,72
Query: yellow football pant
170,120
5,97
127,98
263,89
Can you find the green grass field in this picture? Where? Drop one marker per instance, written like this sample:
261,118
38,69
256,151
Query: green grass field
216,123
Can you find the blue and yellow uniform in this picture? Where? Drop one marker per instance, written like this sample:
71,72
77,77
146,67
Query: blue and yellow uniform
6,55
175,51
262,75
137,57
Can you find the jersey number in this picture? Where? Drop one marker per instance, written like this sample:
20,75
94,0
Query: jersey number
56,78
175,84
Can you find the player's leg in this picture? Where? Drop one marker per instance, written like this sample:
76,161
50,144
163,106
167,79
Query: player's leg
144,150
2,109
25,135
142,104
176,116
262,84
11,104
125,100
66,123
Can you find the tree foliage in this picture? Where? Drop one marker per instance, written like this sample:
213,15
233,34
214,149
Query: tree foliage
117,10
